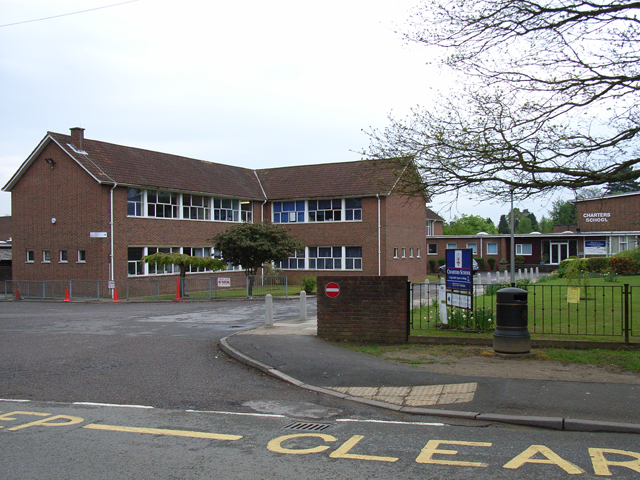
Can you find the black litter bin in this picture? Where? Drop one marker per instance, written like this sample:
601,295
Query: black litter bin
512,332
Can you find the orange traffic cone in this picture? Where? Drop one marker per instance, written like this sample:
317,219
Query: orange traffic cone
115,295
66,295
178,297
17,294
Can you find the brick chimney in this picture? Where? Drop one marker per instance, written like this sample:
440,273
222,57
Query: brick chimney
77,136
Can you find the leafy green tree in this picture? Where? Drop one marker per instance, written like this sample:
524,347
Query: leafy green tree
545,225
503,225
251,245
563,212
469,225
524,225
183,262
547,97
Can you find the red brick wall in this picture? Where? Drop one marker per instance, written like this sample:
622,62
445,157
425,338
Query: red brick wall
609,214
405,220
79,205
368,309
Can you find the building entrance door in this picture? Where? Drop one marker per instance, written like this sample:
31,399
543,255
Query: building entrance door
559,252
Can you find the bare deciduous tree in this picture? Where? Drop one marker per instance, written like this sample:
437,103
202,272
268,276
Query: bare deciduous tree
549,98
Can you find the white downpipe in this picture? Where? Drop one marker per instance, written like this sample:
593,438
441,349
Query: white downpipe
111,267
379,239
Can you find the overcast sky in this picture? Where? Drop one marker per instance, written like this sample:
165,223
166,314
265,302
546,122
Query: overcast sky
249,83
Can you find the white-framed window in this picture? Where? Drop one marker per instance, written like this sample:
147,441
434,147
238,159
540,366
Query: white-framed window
196,207
353,209
432,249
46,256
63,256
325,258
218,254
246,212
492,248
295,262
134,261
353,258
226,210
410,252
430,224
523,249
288,212
418,252
162,204
134,202
404,252
204,252
474,247
325,210
82,255
395,252
161,269
451,246
30,256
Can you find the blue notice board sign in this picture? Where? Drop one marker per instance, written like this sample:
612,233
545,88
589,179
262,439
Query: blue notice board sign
459,269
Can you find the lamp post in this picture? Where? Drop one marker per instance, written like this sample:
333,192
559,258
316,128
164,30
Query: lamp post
513,246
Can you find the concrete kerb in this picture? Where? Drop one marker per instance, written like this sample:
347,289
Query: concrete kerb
555,423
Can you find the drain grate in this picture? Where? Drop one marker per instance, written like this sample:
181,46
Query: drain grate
308,427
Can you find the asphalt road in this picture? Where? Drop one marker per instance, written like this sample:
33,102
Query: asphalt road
161,359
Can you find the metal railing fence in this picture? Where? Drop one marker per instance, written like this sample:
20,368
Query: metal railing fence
599,311
148,288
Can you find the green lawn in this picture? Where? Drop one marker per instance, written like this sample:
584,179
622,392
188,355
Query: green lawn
598,314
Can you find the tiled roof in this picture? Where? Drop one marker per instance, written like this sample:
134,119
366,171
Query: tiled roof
361,178
108,162
128,166
431,215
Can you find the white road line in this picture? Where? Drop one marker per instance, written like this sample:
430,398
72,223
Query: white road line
14,400
391,422
93,404
238,413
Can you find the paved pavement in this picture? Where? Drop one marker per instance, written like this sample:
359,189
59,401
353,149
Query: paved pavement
291,351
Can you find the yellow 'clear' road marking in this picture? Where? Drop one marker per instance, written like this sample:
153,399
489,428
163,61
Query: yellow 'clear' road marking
163,431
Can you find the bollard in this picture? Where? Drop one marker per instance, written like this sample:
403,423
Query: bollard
512,333
442,303
303,306
268,311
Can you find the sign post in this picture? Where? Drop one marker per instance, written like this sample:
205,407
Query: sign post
459,269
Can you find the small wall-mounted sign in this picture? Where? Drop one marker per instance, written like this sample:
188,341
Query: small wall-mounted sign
224,282
98,234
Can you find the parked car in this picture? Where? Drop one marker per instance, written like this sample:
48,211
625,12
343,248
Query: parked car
443,268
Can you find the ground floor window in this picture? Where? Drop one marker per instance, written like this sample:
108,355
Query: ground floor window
137,267
623,242
432,249
492,248
523,249
324,258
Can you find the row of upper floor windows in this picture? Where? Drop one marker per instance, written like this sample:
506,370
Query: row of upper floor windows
328,210
161,204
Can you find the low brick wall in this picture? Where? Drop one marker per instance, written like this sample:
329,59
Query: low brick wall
367,309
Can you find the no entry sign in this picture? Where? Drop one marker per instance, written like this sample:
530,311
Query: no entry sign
332,289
